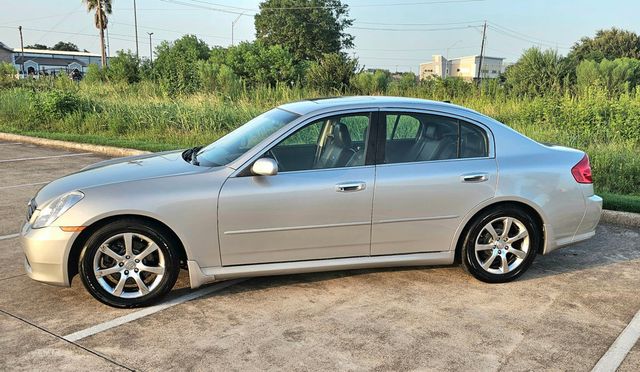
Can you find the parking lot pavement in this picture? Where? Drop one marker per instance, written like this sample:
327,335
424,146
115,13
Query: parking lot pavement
632,361
563,314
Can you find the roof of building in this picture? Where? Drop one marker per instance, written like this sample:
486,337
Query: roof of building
4,46
55,52
50,61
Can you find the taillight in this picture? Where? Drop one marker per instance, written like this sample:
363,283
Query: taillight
582,171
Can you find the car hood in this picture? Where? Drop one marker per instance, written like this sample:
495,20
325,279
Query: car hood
133,168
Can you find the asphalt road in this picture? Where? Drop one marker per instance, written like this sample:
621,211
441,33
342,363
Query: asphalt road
564,314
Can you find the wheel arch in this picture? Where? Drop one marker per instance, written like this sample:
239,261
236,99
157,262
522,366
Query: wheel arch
527,206
73,258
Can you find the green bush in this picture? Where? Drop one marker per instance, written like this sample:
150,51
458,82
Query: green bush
331,74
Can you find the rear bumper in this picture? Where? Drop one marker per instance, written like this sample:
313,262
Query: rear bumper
591,218
46,252
586,229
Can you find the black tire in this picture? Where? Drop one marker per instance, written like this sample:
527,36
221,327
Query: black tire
140,229
471,259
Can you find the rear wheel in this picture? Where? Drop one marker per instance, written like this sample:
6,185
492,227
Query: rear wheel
129,263
501,244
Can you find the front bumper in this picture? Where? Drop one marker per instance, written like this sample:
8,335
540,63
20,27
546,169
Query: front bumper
46,252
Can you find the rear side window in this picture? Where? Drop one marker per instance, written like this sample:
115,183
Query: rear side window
426,137
473,141
401,126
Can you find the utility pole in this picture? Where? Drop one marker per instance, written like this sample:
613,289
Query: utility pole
150,48
22,51
135,24
484,36
233,25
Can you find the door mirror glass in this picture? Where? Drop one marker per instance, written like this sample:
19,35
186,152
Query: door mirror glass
265,167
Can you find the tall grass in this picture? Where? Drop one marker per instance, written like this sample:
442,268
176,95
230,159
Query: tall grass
142,116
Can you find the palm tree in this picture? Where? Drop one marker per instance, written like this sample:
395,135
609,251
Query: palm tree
102,8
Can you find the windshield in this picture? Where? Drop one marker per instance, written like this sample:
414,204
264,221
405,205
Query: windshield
241,140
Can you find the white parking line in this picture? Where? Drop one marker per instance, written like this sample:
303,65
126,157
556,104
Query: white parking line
44,157
10,236
149,310
612,359
24,185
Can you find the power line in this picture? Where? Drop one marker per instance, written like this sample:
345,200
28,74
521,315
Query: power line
522,34
432,2
39,18
412,29
59,22
75,33
522,38
409,50
172,31
380,5
202,7
416,24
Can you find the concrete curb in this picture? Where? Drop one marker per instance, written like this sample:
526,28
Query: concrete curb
98,149
620,218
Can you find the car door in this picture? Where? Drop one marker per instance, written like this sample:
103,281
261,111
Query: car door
432,170
317,206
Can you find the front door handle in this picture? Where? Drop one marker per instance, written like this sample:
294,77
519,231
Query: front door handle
474,177
351,186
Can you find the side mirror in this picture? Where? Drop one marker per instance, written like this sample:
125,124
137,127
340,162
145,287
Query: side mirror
265,167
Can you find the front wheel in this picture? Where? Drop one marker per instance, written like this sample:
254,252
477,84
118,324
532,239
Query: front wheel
501,244
129,263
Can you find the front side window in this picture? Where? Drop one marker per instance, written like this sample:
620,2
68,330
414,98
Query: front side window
241,140
429,137
333,142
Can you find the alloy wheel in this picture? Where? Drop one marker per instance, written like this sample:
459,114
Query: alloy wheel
502,245
129,265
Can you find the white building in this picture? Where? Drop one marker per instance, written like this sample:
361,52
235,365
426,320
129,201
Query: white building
47,62
463,67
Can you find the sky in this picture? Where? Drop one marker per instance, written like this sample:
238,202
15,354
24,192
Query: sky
393,34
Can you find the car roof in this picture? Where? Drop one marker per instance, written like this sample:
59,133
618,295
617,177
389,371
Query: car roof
307,106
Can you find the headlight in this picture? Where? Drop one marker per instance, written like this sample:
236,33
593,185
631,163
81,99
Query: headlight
56,208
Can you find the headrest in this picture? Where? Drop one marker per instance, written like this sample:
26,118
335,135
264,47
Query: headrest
341,135
431,132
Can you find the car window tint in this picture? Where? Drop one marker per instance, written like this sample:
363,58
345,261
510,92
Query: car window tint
425,137
473,141
334,142
306,136
402,127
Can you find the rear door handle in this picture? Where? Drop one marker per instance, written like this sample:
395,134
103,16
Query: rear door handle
351,186
474,177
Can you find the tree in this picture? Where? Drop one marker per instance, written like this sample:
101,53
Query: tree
607,44
618,76
37,46
102,8
257,63
367,82
68,46
7,72
124,67
537,73
176,64
307,28
331,73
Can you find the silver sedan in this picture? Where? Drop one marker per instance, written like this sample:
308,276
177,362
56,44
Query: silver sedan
327,184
